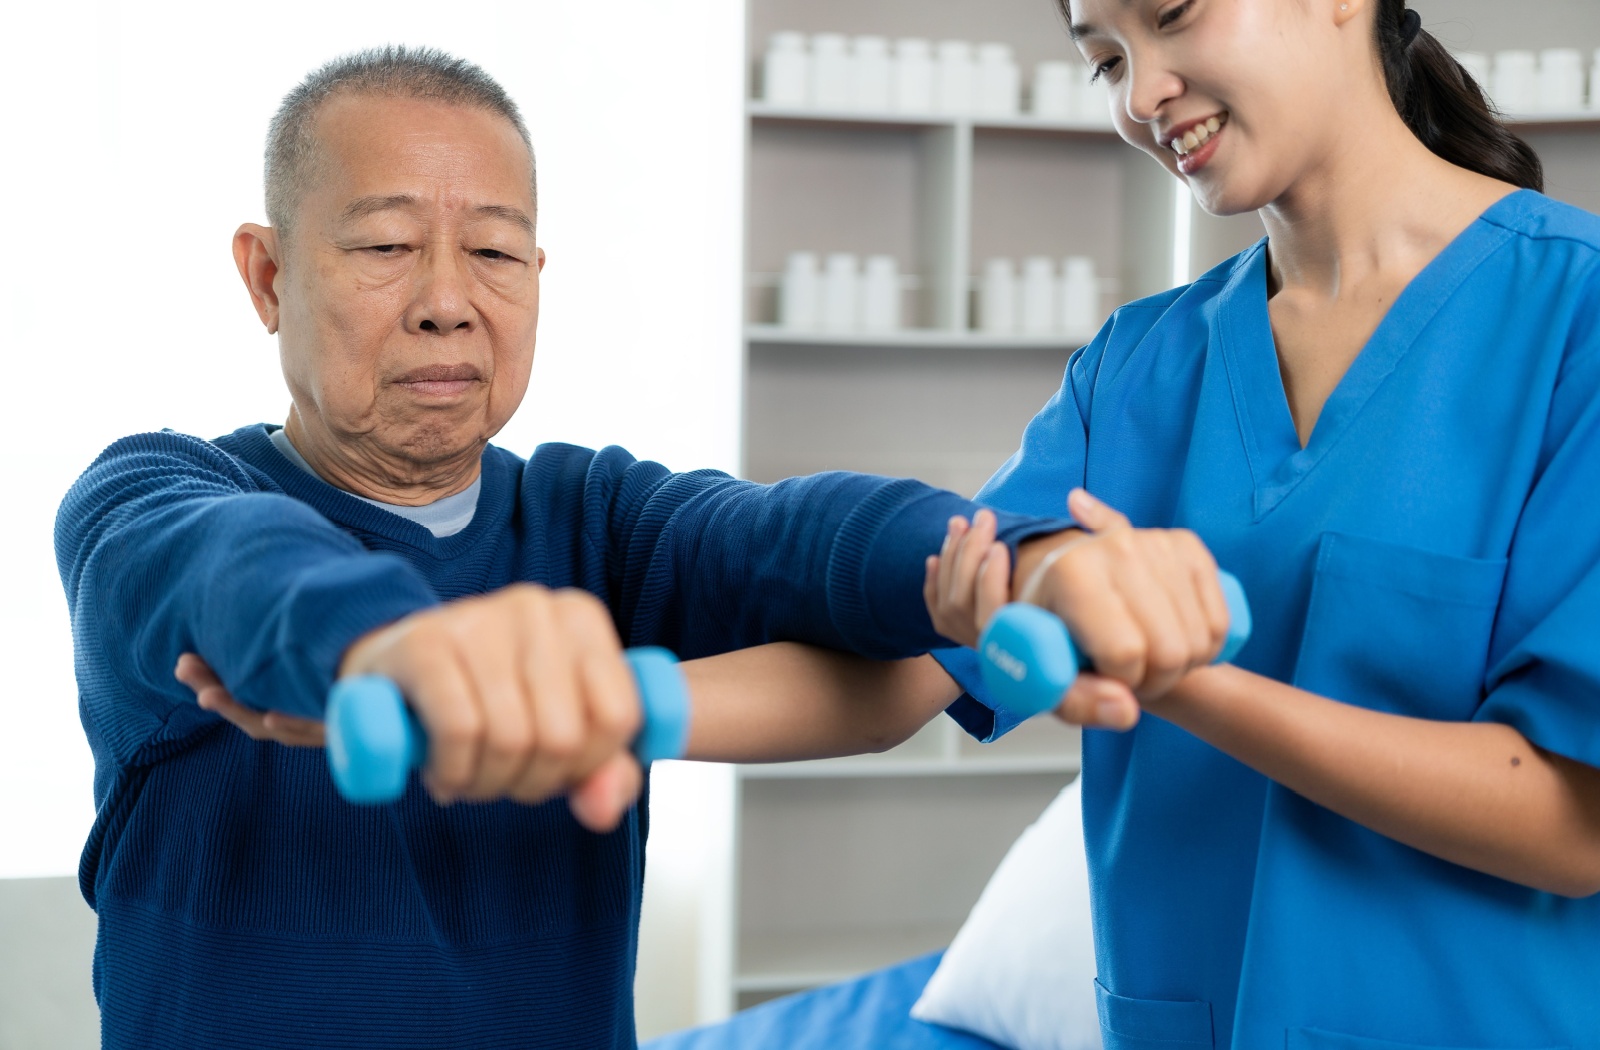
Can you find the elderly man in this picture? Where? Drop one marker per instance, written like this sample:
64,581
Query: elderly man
241,902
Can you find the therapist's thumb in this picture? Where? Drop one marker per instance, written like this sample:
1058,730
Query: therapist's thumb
1092,514
1097,702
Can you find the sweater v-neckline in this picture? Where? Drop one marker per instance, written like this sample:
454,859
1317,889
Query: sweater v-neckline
1242,327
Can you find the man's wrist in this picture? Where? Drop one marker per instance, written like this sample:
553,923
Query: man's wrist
1035,556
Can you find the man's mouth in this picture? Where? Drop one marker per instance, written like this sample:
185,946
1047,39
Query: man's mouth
1197,134
440,380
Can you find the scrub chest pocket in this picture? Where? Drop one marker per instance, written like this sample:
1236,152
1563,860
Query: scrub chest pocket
1399,629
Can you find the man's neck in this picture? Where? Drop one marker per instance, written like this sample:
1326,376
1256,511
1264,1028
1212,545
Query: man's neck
376,475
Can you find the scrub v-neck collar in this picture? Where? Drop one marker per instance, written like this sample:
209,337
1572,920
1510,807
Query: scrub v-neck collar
1241,326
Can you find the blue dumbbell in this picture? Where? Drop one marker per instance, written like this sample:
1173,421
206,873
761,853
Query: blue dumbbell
374,741
1029,660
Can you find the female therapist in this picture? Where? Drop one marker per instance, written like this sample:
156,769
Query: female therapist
1381,827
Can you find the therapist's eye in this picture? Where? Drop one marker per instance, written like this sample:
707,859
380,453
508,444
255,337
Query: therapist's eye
1171,15
1105,69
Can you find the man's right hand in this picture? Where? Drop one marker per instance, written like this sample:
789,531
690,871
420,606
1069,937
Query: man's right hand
523,693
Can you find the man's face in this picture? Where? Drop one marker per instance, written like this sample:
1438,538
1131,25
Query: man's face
409,285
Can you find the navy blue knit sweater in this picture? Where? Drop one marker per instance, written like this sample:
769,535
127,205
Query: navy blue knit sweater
242,903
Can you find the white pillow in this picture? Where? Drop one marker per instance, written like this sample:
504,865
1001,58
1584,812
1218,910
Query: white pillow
1021,970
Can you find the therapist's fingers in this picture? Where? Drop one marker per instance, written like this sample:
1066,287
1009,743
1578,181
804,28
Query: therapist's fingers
1098,702
275,727
1094,514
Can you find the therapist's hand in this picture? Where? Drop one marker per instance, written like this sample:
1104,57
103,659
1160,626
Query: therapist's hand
967,583
273,726
1146,605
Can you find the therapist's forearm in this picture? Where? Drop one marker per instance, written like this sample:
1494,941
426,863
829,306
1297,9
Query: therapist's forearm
1477,794
785,702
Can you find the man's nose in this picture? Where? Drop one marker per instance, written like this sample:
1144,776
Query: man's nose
442,301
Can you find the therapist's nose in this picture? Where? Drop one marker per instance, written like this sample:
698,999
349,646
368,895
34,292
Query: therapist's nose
443,301
1149,87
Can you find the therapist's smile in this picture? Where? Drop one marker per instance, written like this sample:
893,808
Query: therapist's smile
1195,141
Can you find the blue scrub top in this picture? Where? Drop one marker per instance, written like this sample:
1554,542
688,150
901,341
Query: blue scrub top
1433,551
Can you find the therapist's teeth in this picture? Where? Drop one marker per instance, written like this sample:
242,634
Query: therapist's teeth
1190,141
1213,125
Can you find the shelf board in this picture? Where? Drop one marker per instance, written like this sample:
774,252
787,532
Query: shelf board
912,339
867,767
1534,121
780,962
1021,122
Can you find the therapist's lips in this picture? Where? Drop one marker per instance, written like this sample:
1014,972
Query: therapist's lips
440,381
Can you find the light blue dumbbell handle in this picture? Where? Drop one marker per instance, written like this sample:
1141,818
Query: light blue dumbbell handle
1029,660
374,741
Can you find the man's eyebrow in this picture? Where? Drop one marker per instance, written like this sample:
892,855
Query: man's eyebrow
361,207
506,213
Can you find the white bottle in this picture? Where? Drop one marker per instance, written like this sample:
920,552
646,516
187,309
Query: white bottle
841,293
786,72
1080,298
913,77
1515,82
831,72
1560,80
1594,83
955,81
798,293
999,82
1038,296
880,295
1053,91
997,298
873,74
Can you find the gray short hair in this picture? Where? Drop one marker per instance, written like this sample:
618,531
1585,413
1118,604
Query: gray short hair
393,70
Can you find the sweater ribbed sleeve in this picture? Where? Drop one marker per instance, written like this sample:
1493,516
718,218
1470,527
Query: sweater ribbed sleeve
167,545
711,563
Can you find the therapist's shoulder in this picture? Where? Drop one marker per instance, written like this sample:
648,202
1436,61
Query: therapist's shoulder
1538,219
1178,317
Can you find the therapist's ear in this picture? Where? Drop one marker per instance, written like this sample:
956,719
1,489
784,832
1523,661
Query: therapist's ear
255,253
1345,10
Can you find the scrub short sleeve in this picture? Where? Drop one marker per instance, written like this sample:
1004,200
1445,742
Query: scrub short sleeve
1544,677
1035,480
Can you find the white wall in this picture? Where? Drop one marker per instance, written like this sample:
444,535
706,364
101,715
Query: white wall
134,143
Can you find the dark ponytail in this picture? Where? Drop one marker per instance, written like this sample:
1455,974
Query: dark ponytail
1444,107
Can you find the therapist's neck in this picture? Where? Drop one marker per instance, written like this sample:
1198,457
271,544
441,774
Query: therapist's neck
1378,201
361,465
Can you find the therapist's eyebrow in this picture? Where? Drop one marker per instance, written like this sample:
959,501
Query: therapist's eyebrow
1079,30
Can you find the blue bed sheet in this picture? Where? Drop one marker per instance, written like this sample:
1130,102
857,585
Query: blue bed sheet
872,1012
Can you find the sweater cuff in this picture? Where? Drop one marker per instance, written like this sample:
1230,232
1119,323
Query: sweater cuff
876,569
326,611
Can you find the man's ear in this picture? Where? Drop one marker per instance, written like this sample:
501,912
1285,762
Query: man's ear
255,252
541,259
